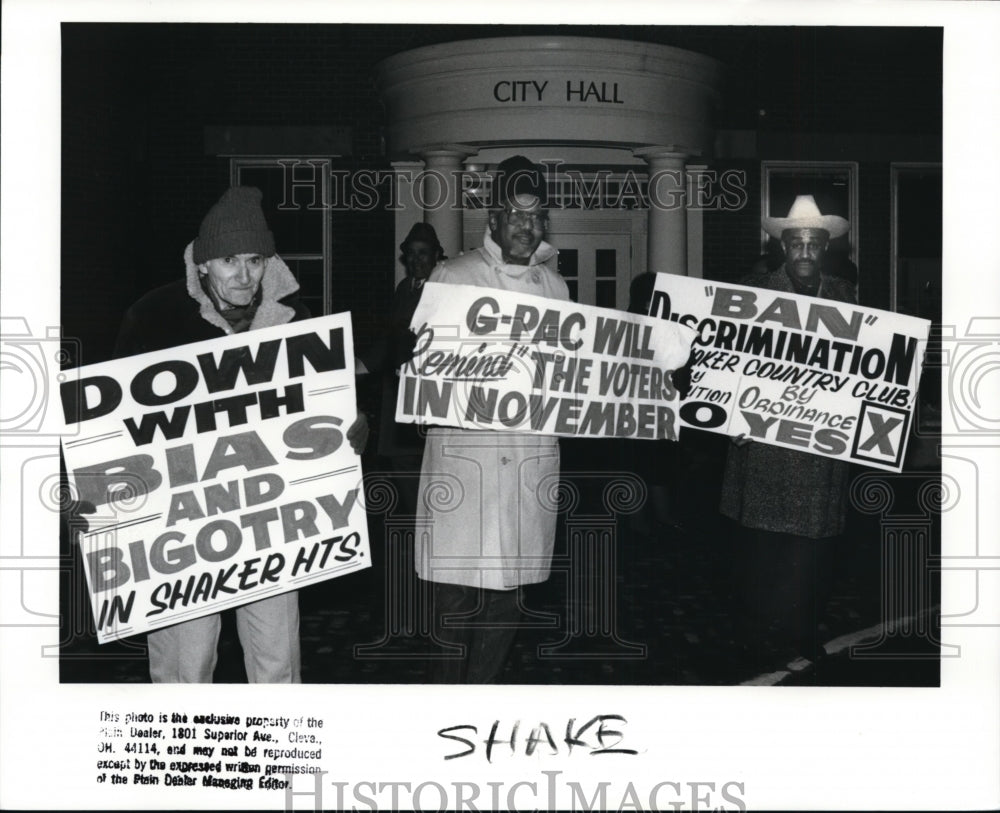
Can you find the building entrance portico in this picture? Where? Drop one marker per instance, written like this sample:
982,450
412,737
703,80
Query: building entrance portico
614,123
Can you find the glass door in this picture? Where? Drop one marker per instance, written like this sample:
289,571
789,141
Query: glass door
596,267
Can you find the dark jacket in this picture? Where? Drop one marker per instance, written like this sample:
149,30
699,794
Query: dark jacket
772,488
393,348
181,312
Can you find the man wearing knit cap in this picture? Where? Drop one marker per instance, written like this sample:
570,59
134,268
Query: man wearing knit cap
791,506
500,536
234,282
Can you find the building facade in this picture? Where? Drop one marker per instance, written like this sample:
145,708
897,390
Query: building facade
664,147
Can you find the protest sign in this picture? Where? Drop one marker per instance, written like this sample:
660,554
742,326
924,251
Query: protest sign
825,377
492,359
219,472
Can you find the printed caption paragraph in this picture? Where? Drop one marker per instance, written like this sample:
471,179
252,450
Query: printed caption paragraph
206,750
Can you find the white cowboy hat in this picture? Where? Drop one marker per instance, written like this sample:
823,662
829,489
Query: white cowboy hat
805,214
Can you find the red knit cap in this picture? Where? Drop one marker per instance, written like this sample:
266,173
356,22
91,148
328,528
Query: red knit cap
235,225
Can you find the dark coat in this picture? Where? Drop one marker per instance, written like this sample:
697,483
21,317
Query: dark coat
181,312
394,345
393,348
771,488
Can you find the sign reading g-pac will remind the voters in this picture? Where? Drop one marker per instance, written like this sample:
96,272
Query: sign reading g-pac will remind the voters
514,362
219,471
825,377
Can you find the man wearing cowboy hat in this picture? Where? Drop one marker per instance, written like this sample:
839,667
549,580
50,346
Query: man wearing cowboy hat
790,506
805,236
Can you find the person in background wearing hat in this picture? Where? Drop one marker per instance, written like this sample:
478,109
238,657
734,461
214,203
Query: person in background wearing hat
498,533
420,251
234,282
790,506
401,445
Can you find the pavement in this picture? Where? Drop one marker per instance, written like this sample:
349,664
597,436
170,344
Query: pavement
630,602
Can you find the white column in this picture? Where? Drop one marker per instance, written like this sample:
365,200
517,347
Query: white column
668,223
695,223
441,194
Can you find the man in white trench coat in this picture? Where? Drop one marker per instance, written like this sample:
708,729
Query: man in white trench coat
495,530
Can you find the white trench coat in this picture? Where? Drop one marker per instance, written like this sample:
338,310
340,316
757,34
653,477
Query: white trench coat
486,511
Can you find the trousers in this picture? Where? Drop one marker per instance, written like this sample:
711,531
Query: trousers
482,622
268,631
784,582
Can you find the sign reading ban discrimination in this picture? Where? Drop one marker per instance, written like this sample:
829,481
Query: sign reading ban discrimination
492,359
829,378
219,471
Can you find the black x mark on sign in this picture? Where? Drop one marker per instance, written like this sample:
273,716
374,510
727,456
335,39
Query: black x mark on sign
881,428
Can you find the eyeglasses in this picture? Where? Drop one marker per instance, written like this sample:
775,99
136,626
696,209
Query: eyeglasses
537,220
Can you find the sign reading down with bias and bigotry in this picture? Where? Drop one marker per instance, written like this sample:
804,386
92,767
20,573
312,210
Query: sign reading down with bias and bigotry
492,359
219,471
825,377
